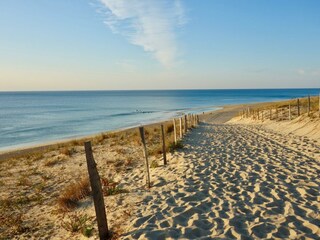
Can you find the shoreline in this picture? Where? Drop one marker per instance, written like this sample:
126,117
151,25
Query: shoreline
52,145
22,149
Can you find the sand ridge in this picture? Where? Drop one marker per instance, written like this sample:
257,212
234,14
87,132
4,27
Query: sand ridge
236,182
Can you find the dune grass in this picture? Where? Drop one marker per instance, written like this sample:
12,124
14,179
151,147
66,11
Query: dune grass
73,193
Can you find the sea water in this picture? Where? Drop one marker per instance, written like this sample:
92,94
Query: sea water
29,118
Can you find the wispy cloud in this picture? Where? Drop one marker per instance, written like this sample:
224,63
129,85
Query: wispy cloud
308,72
151,24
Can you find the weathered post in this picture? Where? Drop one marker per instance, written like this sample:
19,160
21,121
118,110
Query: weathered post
309,105
97,193
145,152
180,123
277,114
319,105
185,124
174,131
289,112
270,113
163,146
298,105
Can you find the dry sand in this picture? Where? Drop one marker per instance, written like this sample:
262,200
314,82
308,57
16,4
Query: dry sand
302,126
236,180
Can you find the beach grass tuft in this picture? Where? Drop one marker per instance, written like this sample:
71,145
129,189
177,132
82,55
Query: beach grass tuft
66,151
110,187
154,164
175,146
55,160
78,222
170,128
74,192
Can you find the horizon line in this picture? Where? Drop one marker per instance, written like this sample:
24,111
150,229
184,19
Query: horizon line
181,89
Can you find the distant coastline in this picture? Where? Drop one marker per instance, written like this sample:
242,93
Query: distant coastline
34,118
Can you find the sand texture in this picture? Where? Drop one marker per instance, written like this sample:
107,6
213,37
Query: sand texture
236,182
302,126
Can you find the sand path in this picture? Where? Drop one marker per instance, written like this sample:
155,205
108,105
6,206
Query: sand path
236,182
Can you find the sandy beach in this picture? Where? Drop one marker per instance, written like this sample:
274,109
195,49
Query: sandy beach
232,179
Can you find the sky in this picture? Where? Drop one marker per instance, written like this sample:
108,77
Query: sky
159,44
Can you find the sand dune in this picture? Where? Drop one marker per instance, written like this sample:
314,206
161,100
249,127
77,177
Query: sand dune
235,182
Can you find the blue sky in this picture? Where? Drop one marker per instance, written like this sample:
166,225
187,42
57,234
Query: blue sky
154,44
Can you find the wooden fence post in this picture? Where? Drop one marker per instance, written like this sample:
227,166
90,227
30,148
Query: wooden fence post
175,131
289,112
185,124
145,152
163,145
180,119
270,113
298,105
309,105
97,193
319,104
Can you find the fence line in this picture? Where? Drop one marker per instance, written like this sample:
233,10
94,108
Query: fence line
94,177
285,112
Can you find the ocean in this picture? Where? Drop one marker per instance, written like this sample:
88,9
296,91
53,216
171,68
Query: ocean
30,118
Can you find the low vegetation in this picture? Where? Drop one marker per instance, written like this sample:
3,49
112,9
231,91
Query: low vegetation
110,187
12,224
175,146
78,222
73,193
55,160
280,110
37,180
154,164
66,151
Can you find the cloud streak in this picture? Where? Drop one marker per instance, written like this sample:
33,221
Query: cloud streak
308,72
150,24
